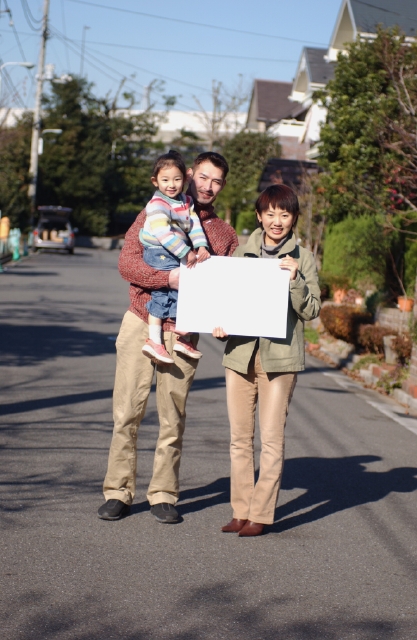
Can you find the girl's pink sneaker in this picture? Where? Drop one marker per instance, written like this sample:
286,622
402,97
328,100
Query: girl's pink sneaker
187,349
157,351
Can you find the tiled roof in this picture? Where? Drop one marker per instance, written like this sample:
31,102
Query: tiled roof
272,100
369,14
319,71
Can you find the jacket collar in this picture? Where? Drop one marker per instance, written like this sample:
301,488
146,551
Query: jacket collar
254,243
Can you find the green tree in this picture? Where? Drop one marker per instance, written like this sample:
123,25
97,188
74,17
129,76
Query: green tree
14,179
247,154
100,164
368,147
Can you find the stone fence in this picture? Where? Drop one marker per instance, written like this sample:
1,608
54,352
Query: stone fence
394,319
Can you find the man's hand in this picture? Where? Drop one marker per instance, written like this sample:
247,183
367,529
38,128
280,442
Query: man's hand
191,259
174,278
202,254
219,333
291,265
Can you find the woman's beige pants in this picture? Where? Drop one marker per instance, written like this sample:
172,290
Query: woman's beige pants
252,501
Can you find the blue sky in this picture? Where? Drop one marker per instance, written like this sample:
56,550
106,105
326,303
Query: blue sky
129,43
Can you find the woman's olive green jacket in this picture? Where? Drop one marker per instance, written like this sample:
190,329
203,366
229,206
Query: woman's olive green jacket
284,354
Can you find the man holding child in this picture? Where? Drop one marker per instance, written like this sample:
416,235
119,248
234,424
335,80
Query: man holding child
135,371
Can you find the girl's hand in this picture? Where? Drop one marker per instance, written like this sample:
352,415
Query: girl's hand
202,254
191,259
291,265
219,333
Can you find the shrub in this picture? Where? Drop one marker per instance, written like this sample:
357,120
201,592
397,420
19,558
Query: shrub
371,338
358,247
342,322
402,345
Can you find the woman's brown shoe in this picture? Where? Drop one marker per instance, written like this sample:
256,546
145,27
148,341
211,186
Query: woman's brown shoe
251,529
234,526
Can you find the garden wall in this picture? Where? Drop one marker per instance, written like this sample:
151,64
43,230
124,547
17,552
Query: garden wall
393,319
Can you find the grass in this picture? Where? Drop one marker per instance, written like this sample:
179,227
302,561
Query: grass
371,358
311,335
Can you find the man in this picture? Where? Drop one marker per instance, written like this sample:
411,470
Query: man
135,372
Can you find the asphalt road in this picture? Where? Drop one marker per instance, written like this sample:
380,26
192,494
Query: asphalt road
339,563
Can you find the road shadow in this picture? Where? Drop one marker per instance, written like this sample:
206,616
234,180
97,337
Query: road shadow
29,345
336,484
331,485
213,608
25,406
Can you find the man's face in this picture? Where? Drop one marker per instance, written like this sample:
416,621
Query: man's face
206,183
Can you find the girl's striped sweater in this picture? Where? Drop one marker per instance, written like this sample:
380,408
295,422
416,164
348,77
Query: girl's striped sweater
172,224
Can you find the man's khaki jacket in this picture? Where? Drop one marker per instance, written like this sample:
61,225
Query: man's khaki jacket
287,354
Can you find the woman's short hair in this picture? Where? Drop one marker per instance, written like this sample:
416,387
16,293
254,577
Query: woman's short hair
170,159
278,196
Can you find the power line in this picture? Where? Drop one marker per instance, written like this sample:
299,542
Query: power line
32,17
196,24
22,53
9,83
190,53
60,36
158,75
152,73
29,17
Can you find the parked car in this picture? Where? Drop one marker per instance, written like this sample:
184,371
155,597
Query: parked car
54,230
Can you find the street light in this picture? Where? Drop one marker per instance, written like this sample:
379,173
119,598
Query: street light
28,65
40,141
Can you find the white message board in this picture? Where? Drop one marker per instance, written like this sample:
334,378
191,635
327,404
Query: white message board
244,296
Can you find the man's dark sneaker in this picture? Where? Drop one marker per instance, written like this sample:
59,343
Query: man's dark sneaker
165,513
113,510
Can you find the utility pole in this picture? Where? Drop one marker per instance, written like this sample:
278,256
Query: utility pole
82,51
36,127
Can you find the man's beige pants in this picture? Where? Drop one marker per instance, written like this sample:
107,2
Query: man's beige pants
134,375
252,501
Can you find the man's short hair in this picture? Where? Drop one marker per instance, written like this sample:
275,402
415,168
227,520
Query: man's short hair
279,196
215,158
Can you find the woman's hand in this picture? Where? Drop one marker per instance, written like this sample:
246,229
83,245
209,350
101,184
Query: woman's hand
219,333
291,265
202,254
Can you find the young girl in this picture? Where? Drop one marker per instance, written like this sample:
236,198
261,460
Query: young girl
172,234
266,368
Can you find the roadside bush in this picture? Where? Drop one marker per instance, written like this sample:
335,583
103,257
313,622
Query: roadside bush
371,338
343,321
358,247
402,346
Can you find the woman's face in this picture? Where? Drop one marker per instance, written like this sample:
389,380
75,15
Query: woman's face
277,223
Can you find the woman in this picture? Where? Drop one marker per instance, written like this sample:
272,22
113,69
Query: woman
266,369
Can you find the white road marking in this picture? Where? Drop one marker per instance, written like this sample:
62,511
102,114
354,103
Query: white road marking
401,419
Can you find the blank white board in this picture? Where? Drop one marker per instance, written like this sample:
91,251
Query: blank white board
244,296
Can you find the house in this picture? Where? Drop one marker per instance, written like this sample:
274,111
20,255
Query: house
271,109
298,126
358,18
316,67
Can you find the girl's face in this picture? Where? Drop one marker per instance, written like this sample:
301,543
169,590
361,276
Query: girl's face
277,223
169,181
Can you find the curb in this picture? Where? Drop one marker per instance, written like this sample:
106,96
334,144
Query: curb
367,377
